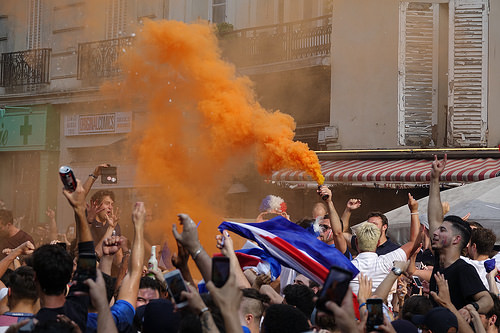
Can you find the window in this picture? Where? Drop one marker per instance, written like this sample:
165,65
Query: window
218,11
466,80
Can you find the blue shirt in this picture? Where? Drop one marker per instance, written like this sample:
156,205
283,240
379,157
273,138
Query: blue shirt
123,314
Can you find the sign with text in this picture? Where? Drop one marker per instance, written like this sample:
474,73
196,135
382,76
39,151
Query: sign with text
103,123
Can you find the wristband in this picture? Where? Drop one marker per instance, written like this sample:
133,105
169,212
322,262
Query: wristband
414,213
475,305
197,253
202,311
361,305
93,176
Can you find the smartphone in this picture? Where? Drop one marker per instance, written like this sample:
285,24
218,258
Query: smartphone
220,271
85,269
417,281
175,285
334,288
109,175
68,178
375,314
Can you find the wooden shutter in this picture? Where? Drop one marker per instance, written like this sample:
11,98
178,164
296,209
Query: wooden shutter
417,78
467,73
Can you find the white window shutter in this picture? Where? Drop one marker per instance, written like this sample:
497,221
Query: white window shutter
467,73
417,78
34,38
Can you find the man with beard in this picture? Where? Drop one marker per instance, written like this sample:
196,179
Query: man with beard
10,235
450,235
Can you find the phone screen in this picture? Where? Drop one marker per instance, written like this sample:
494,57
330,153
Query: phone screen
335,287
417,281
176,285
220,271
375,313
86,267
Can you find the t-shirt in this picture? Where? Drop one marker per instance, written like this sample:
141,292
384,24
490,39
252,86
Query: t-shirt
481,271
10,318
376,267
98,230
76,305
386,247
74,308
463,282
12,242
123,314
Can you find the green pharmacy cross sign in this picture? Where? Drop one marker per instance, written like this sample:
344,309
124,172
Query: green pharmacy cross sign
25,130
22,128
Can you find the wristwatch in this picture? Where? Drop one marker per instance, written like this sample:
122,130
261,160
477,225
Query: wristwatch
397,271
475,305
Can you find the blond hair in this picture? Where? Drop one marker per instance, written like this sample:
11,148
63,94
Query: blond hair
367,235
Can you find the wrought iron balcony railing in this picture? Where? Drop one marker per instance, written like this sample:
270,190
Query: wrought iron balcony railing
280,42
25,68
97,60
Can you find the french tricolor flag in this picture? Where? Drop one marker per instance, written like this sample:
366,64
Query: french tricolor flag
293,247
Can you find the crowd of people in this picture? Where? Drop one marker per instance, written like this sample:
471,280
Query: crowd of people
92,278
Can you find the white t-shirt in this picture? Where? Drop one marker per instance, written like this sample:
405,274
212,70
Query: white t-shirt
481,271
376,267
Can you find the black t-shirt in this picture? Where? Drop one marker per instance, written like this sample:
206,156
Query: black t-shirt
76,305
74,309
463,282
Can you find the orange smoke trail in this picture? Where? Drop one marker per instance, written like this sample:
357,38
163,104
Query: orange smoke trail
203,121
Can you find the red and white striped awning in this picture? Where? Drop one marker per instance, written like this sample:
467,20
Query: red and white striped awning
393,173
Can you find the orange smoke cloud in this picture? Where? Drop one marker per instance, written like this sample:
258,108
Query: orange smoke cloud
203,121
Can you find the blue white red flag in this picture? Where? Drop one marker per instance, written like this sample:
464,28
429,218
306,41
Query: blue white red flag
258,260
293,247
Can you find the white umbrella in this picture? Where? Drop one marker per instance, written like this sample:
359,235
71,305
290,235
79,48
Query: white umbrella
481,199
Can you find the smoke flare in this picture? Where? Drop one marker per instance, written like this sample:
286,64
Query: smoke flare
203,121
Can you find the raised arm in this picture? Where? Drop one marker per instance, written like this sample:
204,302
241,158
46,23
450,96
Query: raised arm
227,249
352,204
93,177
338,237
435,209
130,284
51,214
384,288
23,249
189,239
77,200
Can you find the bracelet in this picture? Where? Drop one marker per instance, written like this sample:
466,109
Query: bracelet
197,253
414,213
93,176
202,311
361,305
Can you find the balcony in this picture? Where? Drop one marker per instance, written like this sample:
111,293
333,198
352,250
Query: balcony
293,41
98,60
25,68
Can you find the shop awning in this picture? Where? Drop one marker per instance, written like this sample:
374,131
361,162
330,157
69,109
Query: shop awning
407,173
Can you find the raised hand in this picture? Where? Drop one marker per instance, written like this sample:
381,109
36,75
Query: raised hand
77,198
189,236
438,166
412,204
111,245
139,214
353,204
51,214
93,209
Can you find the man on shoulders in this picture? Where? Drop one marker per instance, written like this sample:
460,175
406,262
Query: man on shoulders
10,235
450,235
